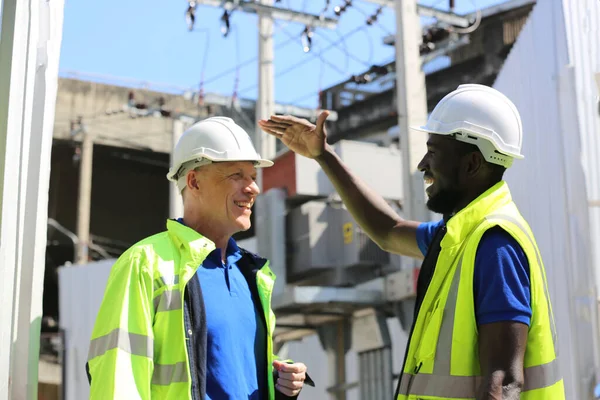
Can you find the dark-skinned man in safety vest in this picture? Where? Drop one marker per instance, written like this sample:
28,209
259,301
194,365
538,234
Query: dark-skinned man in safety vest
483,326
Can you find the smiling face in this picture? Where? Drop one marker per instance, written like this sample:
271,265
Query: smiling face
223,195
444,173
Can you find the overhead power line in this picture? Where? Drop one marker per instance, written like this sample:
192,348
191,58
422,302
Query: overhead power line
300,64
276,12
291,36
244,63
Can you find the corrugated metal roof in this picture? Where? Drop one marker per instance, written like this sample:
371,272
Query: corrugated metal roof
512,28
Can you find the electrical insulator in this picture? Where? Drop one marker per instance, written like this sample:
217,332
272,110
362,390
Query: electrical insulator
225,25
190,15
339,10
307,35
373,18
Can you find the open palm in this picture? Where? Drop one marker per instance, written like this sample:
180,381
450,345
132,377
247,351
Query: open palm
299,135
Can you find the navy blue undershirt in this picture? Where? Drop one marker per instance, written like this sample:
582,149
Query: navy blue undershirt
501,285
236,345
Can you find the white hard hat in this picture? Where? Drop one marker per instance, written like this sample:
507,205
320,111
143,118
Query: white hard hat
214,139
482,116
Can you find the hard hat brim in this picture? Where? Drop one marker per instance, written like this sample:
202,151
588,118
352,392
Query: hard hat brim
424,129
263,163
260,163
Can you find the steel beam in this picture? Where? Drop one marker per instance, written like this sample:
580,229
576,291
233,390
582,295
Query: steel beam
275,12
426,11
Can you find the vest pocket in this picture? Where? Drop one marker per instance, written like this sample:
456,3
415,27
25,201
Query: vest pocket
431,331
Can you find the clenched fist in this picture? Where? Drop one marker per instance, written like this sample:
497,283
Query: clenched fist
291,377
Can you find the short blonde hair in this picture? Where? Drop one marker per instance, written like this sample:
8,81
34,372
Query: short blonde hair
187,167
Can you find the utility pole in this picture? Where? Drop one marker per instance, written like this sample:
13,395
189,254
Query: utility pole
175,201
412,107
85,196
265,104
269,247
265,144
427,11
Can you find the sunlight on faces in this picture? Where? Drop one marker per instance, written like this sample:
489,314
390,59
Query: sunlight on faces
455,173
223,194
440,167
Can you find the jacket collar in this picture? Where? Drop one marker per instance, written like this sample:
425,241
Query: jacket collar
462,223
196,245
199,246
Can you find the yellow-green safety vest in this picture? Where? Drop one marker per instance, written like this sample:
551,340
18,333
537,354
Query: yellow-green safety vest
442,360
138,347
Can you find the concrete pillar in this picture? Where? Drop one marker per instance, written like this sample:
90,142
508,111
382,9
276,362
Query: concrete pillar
336,341
31,33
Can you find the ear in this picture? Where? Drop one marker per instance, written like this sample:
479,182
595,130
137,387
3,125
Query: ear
193,185
474,163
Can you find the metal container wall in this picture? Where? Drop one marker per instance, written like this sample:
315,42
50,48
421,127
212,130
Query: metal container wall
81,289
544,76
583,33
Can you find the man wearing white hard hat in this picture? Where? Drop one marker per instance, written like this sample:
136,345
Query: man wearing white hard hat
483,325
187,312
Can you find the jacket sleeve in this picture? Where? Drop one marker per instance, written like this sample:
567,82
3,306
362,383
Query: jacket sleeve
120,358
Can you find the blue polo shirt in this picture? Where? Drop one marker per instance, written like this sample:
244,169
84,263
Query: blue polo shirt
501,285
236,353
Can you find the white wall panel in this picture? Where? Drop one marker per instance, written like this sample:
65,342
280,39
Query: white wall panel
583,35
541,77
81,289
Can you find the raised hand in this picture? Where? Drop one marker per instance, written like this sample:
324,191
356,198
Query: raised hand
299,135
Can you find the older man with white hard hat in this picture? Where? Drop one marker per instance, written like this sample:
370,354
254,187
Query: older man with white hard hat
186,313
483,326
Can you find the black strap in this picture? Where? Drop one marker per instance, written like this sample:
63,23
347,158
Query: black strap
249,265
423,282
428,267
195,315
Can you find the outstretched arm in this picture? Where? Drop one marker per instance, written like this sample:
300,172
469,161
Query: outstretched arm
368,208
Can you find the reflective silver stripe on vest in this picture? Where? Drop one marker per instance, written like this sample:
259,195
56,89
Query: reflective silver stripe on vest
132,343
441,383
542,376
466,387
539,261
443,353
444,386
168,300
169,280
166,374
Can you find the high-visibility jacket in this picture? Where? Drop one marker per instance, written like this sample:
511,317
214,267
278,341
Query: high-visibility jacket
149,338
442,360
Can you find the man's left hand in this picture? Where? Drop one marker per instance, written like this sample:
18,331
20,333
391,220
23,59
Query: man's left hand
291,377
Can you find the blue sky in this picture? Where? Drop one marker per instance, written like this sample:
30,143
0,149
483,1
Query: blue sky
132,42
